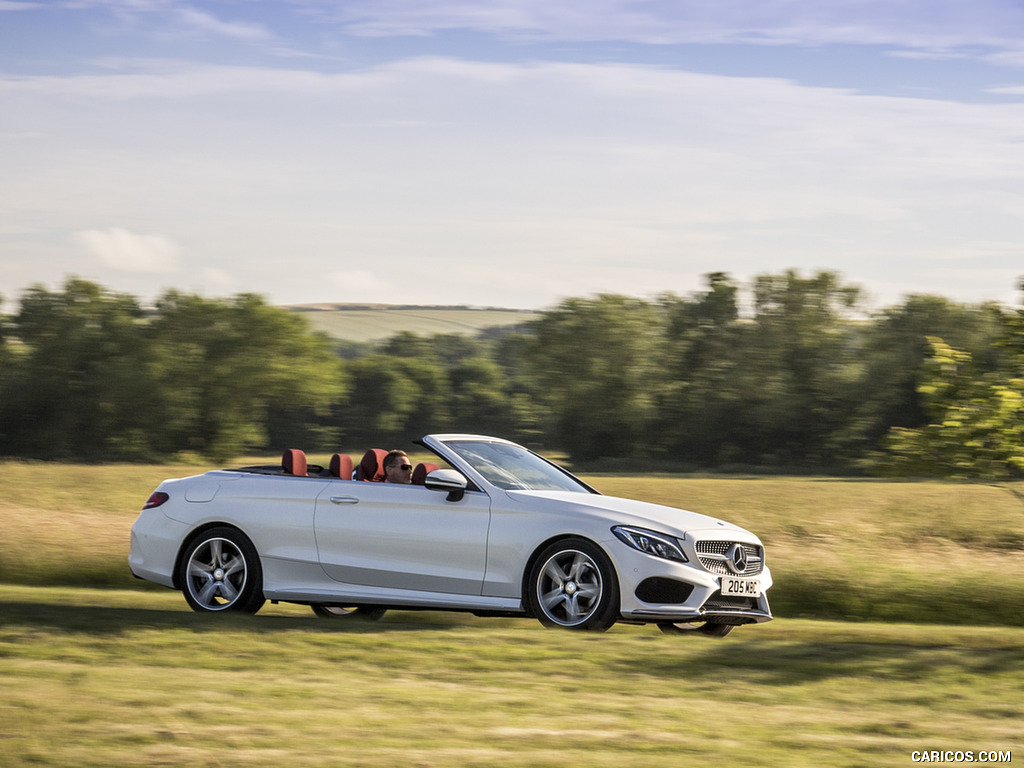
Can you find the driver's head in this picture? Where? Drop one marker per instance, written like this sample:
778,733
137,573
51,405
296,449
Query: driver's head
397,468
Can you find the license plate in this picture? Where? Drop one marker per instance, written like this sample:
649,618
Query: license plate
736,587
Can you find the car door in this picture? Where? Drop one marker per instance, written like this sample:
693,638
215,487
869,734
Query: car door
402,537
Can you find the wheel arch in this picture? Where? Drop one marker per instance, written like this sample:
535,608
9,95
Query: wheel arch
524,587
192,536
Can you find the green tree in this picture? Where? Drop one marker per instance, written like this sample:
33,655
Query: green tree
894,347
428,411
1011,343
772,388
530,414
8,375
221,366
479,402
406,344
393,400
976,422
445,382
598,362
701,402
80,388
803,367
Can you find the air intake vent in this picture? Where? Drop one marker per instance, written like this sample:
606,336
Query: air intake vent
664,591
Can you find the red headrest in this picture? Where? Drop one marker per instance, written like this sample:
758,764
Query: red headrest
372,466
294,462
341,466
419,475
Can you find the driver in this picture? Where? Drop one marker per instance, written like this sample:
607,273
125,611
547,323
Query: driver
397,468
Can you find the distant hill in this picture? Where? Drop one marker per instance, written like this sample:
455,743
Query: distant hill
376,322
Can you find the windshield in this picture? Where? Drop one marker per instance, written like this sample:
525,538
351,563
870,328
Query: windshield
512,467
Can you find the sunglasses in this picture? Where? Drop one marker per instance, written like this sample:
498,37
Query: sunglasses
403,467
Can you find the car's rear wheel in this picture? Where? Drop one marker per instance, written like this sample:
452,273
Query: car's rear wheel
709,628
572,584
325,611
220,571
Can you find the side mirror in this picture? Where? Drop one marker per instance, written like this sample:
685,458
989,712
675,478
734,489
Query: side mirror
447,480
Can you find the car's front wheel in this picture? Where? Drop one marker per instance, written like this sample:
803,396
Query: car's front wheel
220,571
325,611
572,584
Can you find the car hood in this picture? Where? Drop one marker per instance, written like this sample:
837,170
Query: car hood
619,511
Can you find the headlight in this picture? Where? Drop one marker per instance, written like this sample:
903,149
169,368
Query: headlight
652,543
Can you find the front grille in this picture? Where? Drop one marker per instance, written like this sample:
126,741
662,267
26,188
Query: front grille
714,556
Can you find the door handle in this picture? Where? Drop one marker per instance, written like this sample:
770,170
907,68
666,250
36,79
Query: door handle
344,500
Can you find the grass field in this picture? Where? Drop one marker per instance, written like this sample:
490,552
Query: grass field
380,323
128,676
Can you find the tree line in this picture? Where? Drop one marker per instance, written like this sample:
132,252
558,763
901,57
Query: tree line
797,376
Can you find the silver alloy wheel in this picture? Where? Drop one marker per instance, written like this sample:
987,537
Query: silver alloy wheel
216,574
569,587
335,611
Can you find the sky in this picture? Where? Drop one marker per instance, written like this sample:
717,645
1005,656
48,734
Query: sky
510,153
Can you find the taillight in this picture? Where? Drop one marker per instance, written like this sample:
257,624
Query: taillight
155,500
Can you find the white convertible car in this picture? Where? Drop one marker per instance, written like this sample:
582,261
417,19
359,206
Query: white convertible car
493,528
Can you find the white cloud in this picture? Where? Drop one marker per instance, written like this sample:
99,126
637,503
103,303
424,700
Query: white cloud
217,281
1007,90
937,24
474,181
360,285
169,19
166,79
126,251
206,23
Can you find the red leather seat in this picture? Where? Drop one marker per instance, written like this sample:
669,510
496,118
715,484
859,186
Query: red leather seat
341,466
419,475
294,462
371,467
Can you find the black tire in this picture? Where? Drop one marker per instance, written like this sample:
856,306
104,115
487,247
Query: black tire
708,628
573,585
220,571
327,611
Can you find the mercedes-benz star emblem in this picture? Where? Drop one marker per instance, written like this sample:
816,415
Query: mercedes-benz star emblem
736,558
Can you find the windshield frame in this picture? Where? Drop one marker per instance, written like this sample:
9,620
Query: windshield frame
507,466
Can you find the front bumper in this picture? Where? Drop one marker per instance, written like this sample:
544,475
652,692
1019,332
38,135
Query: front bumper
655,590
